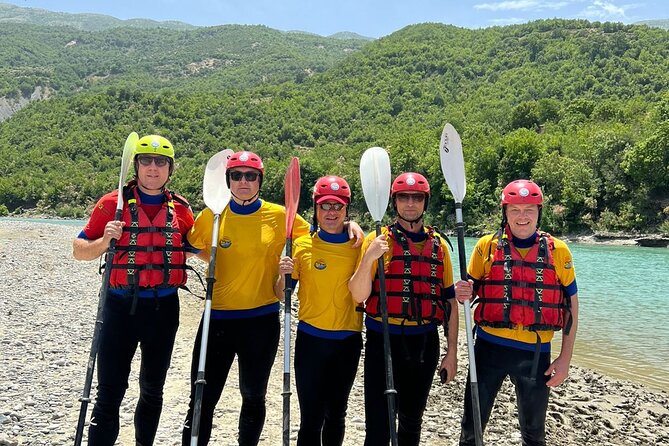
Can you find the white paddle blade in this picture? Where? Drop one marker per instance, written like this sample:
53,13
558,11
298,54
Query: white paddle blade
126,161
375,179
452,162
215,190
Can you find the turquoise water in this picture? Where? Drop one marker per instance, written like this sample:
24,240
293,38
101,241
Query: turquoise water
624,311
624,323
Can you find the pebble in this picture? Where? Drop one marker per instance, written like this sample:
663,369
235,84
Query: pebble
47,312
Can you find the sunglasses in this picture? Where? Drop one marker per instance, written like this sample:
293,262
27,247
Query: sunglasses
159,161
331,206
235,175
418,198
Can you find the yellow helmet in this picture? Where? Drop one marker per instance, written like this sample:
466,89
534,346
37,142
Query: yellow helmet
155,145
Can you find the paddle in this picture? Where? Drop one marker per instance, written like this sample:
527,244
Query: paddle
375,179
292,199
126,160
216,196
453,168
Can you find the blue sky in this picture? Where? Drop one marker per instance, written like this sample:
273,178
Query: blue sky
375,18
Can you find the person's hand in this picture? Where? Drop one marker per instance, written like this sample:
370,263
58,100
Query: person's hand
464,290
286,265
377,248
448,367
113,230
354,230
558,371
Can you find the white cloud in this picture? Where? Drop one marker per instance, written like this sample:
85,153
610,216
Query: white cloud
507,21
605,10
507,5
524,5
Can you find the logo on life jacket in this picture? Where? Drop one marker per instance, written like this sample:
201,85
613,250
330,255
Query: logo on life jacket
225,242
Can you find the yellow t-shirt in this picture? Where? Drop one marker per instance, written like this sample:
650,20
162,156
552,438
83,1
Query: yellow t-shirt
247,254
447,280
479,267
324,269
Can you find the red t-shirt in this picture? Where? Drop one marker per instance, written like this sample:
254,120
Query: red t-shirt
105,209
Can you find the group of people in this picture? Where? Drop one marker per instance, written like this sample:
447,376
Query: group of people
521,279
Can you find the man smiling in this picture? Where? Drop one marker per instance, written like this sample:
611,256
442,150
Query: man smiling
142,307
525,290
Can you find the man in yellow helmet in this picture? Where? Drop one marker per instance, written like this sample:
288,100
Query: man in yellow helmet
142,306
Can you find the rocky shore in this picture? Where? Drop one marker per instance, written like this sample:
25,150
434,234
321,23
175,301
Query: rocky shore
47,307
645,240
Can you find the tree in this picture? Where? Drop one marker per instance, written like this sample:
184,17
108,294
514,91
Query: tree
519,150
648,161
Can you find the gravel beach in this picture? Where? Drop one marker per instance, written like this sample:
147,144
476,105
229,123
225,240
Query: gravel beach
47,309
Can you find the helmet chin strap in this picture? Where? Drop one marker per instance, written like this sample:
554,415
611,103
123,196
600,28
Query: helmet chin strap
249,201
161,189
505,221
411,222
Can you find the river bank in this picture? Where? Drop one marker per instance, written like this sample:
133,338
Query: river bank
655,240
46,321
645,240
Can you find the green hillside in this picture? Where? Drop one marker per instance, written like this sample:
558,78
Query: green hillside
67,60
88,22
580,107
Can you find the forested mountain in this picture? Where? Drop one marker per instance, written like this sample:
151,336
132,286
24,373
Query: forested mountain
580,107
89,22
66,60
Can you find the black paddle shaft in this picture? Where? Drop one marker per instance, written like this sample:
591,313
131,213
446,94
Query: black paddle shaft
288,292
390,385
95,343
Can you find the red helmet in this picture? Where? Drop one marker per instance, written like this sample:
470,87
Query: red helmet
332,188
522,192
410,181
246,159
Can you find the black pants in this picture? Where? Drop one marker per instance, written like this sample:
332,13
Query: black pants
324,374
255,342
414,360
153,328
493,364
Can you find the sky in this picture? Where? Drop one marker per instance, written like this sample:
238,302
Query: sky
374,18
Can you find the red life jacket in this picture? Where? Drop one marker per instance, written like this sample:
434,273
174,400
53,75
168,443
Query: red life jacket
413,280
150,253
522,290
